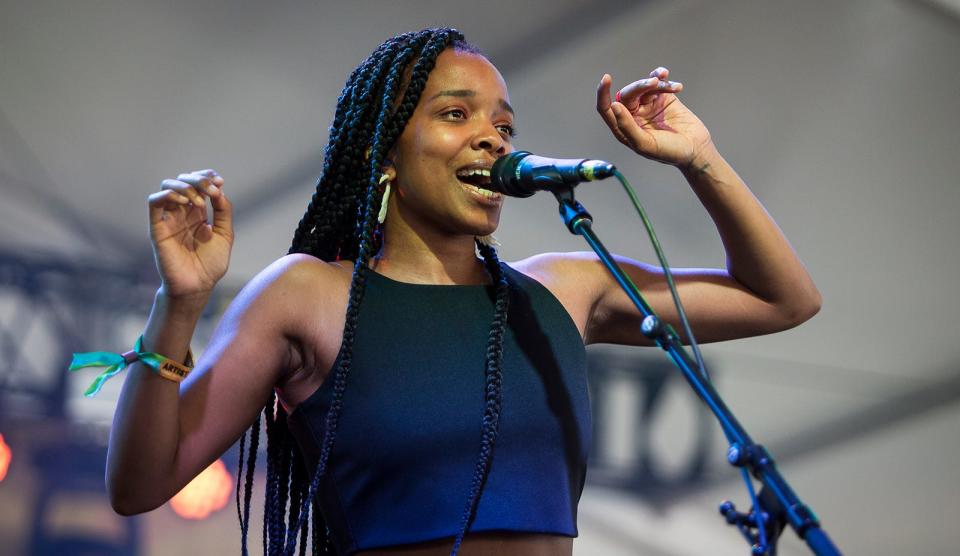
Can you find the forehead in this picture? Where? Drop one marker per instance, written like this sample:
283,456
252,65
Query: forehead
456,70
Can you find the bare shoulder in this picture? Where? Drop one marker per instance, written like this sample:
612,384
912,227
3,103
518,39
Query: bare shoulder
561,270
570,277
299,270
290,285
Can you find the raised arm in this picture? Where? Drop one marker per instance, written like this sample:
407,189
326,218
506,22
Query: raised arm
765,287
165,433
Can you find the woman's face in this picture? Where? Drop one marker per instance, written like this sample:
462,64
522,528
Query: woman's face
461,125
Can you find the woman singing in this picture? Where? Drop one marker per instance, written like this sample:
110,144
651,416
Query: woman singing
421,396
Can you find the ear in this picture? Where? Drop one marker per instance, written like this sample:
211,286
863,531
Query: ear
389,169
389,166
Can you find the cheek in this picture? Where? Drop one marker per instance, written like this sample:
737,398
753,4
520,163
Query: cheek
427,152
437,145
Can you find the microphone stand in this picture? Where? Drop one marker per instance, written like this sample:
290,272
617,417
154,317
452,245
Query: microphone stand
777,503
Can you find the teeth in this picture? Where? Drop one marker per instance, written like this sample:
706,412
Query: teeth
484,192
474,172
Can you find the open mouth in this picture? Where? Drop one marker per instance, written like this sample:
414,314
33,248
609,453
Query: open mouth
477,177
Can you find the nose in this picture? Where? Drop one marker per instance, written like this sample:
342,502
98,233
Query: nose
489,139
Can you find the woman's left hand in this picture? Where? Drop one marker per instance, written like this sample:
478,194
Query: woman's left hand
647,117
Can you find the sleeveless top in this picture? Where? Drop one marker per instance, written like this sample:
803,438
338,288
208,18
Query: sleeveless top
408,438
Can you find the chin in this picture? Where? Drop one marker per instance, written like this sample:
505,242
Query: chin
485,231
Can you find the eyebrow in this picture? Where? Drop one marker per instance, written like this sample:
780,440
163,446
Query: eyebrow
462,93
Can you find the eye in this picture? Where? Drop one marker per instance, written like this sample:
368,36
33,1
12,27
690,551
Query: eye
455,114
507,130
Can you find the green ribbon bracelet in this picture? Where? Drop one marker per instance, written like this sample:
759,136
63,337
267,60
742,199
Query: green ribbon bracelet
114,363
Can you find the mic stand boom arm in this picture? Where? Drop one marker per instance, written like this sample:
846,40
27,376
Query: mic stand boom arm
742,452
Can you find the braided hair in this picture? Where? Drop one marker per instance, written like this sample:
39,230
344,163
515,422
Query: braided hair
340,223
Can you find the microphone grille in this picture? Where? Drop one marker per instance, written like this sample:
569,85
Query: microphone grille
505,175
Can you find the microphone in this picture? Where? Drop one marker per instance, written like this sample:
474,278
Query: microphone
521,174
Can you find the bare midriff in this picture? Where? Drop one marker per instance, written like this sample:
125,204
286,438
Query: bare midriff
494,543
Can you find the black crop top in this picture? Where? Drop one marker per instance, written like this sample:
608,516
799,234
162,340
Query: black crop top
409,432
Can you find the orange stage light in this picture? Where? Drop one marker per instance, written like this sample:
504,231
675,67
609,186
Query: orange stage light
6,454
205,494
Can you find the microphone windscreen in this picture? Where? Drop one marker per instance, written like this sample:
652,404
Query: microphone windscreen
504,176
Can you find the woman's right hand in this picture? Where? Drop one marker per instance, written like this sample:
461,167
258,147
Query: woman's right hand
191,254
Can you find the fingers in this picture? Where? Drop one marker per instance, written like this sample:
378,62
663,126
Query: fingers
212,183
204,183
185,190
222,214
633,135
166,200
212,175
604,106
644,91
196,186
193,190
633,105
603,93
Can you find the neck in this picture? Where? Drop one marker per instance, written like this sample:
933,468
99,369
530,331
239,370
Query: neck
415,256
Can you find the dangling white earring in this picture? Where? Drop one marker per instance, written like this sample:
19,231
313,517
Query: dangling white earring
382,215
488,240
